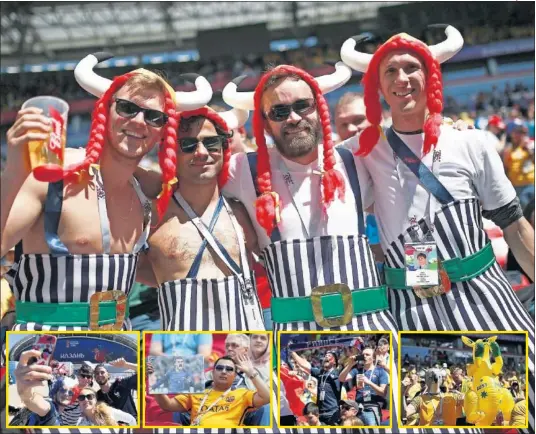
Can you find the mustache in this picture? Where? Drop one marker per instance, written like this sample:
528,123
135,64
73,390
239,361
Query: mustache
300,125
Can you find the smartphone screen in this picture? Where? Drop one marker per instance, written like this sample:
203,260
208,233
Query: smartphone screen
45,344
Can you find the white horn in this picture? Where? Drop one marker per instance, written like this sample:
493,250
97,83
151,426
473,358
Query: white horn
86,77
353,58
234,118
450,46
187,101
331,82
240,100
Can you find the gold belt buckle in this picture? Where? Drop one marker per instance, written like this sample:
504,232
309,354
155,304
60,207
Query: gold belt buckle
336,288
120,308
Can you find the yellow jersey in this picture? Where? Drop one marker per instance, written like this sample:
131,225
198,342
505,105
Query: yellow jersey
519,166
219,411
518,416
440,409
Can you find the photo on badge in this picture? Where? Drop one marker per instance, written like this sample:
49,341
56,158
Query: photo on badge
208,379
463,379
73,379
421,264
335,379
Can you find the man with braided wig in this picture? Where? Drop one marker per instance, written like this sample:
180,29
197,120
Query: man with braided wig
199,252
441,182
80,247
304,200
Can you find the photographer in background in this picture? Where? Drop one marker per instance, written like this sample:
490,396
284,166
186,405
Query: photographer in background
371,382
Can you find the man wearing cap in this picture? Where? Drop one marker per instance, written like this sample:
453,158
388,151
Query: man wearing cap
496,132
348,410
328,387
518,158
441,181
82,235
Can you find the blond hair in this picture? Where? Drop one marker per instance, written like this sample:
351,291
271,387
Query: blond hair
102,412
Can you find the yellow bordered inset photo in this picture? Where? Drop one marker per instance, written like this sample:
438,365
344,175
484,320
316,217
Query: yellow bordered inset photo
335,379
73,379
475,379
208,379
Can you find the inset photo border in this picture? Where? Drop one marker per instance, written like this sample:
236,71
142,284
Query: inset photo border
463,379
236,376
315,360
66,363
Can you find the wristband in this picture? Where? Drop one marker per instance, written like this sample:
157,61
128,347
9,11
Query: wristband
256,374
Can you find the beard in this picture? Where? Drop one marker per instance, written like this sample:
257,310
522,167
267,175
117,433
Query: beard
298,146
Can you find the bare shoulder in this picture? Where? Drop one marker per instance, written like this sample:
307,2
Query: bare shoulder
239,211
150,181
245,222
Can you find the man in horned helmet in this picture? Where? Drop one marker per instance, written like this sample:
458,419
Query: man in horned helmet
80,246
441,182
202,288
304,200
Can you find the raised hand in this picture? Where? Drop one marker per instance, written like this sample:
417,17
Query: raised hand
29,378
244,364
119,363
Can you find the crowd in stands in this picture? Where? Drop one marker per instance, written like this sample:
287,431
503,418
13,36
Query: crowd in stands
226,68
454,383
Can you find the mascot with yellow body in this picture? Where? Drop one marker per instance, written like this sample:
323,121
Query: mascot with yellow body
486,397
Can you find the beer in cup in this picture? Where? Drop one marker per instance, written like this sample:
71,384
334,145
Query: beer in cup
47,156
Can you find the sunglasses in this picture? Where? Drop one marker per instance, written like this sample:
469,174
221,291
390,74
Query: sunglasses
189,145
129,110
222,368
89,397
345,407
281,112
88,376
66,392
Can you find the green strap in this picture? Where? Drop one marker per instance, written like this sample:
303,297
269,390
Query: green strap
75,314
458,269
291,309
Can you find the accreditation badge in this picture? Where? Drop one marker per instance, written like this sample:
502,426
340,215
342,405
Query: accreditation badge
423,270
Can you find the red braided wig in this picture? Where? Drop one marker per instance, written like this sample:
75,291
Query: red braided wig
213,117
371,85
97,137
332,180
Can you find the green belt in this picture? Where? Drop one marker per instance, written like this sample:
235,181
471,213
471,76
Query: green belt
458,269
291,309
65,314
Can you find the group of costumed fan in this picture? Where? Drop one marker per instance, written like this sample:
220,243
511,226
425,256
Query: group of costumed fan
308,217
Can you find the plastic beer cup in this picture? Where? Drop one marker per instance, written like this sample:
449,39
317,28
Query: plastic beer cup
47,156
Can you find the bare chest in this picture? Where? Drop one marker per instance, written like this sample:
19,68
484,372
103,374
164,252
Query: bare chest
174,246
80,225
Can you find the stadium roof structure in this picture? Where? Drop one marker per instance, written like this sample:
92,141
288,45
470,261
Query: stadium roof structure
33,32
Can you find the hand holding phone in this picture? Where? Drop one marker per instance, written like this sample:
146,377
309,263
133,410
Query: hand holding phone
45,344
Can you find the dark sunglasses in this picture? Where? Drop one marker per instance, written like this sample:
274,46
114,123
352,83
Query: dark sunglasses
345,407
129,110
88,376
221,368
89,397
281,112
189,145
66,391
